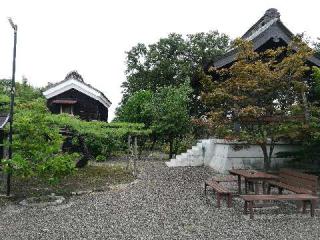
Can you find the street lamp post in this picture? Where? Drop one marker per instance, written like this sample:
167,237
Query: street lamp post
12,92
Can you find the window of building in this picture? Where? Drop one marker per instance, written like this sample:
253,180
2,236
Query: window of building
66,108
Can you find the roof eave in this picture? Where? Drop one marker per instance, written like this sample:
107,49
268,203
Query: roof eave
275,30
80,86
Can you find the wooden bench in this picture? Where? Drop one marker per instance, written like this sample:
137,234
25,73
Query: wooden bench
226,178
219,190
300,183
305,198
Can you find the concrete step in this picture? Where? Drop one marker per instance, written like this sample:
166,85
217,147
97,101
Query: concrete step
193,157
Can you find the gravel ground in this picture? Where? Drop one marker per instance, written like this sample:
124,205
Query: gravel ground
164,203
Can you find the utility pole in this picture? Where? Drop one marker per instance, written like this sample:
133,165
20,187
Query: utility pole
12,92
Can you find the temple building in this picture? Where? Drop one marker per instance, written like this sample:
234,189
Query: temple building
75,97
267,33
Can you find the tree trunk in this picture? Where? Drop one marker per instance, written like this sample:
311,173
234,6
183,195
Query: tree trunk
154,140
86,154
266,158
306,107
171,148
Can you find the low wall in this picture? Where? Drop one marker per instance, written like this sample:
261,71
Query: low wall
224,155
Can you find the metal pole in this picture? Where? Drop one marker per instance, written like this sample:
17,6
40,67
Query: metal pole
12,92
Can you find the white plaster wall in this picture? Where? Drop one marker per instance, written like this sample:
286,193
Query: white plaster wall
222,155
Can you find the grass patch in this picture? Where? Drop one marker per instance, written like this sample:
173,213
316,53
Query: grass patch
92,177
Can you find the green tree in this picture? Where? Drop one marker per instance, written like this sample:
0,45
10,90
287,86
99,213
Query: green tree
138,109
171,120
26,93
171,61
258,98
165,112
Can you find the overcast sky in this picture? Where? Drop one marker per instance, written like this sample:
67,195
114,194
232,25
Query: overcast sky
92,36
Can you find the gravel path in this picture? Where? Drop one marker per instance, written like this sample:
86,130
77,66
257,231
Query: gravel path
165,203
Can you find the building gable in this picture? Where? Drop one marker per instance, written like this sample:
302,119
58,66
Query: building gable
79,86
269,27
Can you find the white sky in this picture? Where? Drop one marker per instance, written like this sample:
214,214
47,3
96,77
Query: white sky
91,36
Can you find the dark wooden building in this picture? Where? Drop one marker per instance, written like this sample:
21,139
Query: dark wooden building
268,32
74,96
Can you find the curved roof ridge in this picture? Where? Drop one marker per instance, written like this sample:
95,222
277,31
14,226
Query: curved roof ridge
267,27
270,15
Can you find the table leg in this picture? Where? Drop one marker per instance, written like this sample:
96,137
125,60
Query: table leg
218,199
239,184
229,197
246,186
304,206
256,187
245,207
264,187
251,209
205,188
251,186
313,203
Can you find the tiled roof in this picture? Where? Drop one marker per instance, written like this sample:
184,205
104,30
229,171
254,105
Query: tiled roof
269,26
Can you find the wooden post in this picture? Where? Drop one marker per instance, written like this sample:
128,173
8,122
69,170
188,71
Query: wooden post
129,151
135,156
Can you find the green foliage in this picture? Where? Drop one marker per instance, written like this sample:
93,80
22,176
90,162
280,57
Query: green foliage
138,109
308,155
97,128
316,77
165,112
37,141
23,93
170,112
261,95
171,61
26,93
37,144
101,138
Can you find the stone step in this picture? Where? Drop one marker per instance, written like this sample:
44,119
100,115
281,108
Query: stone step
193,157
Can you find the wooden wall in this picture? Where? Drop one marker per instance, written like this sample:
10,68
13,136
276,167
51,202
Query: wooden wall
86,107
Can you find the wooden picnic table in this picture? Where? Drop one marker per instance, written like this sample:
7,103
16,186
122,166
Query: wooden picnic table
252,176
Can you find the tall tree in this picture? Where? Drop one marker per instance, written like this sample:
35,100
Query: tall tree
259,95
165,112
171,120
171,61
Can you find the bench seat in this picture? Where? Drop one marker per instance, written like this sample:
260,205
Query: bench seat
291,188
305,198
227,178
296,182
219,191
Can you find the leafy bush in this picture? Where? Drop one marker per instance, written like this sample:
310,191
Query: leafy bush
37,144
